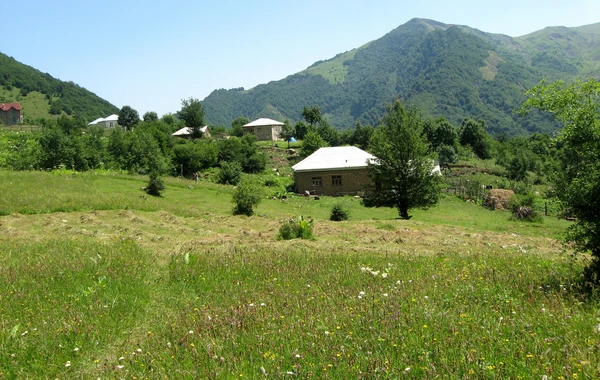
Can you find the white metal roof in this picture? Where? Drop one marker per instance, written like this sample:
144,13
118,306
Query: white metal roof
112,117
263,122
188,131
339,157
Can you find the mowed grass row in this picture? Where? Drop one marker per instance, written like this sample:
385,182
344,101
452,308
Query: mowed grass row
84,309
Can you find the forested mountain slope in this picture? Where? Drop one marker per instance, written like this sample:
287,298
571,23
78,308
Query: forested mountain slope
444,70
22,83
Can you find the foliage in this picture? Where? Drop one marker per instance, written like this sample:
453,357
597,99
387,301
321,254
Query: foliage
237,126
312,114
244,151
288,130
150,116
339,212
155,185
246,196
576,105
128,118
230,173
192,113
402,170
311,143
296,228
446,156
473,133
196,155
523,207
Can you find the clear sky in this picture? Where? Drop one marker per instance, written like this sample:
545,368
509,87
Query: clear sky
152,54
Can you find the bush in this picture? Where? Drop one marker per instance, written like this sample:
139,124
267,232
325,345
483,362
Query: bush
296,228
523,208
230,173
339,212
155,185
246,197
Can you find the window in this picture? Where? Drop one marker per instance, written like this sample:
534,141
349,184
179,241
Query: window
317,182
336,180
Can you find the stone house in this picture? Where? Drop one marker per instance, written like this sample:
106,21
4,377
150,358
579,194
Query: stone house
264,129
10,113
334,170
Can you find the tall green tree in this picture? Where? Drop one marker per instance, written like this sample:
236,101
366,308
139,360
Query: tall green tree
288,130
150,116
128,118
474,133
311,143
192,112
237,126
577,105
402,170
312,115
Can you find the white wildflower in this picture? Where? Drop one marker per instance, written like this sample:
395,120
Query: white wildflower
121,358
120,366
68,363
76,349
384,275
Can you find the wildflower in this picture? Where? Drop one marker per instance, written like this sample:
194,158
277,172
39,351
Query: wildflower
120,366
426,297
326,332
384,275
251,305
361,293
76,349
263,304
68,363
385,294
25,333
191,332
407,370
139,350
121,358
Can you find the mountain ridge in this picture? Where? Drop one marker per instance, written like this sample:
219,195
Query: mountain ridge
445,70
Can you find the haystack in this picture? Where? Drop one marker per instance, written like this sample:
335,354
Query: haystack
497,199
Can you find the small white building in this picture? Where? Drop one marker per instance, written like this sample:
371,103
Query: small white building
107,122
264,129
187,132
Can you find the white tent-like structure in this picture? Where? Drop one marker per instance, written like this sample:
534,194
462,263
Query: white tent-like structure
106,122
187,131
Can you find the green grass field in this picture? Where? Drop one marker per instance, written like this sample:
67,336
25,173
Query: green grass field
98,281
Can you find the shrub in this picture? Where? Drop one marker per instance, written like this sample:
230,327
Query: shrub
523,208
339,212
296,228
246,197
155,185
230,173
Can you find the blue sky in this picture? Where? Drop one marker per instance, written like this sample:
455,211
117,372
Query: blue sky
152,54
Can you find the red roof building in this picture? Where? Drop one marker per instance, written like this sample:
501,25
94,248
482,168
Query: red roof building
10,113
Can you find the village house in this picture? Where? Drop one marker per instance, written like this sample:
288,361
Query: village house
334,170
187,132
264,129
107,122
10,113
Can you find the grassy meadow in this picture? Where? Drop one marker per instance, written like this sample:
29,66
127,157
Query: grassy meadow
98,280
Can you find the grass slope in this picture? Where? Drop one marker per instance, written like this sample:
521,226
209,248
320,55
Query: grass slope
100,282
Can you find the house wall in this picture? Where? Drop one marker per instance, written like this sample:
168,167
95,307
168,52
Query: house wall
107,124
352,181
10,117
265,132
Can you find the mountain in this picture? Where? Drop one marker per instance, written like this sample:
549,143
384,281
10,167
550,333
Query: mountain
449,71
41,95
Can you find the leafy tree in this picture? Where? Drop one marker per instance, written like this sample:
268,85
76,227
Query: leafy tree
329,134
311,143
288,130
192,112
312,115
402,170
361,136
169,119
196,155
155,185
247,196
230,173
237,126
447,155
517,167
440,132
150,116
302,129
577,106
474,133
128,118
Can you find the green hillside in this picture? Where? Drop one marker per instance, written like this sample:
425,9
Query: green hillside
41,95
445,70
